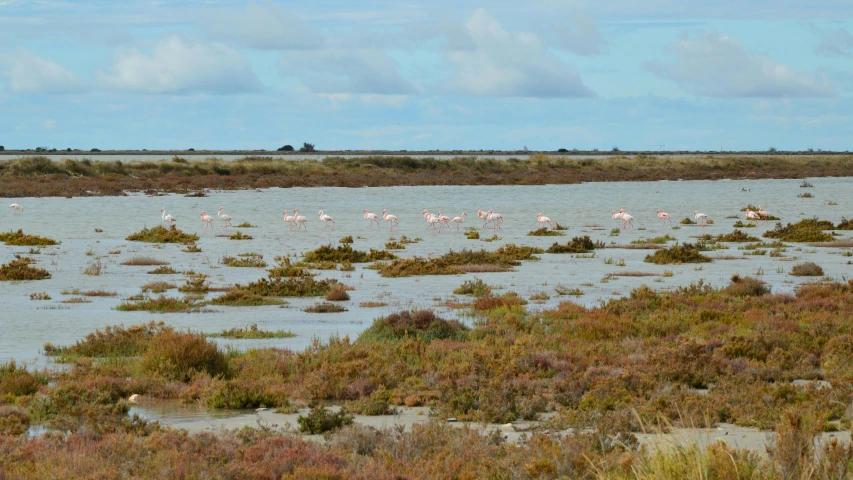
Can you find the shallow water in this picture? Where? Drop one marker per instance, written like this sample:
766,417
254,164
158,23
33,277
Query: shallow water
136,157
28,324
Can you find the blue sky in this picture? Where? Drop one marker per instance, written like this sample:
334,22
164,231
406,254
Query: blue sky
546,74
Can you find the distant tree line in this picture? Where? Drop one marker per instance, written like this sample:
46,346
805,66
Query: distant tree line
306,147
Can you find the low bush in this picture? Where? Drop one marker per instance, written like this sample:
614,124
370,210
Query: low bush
19,269
577,245
746,287
251,332
474,288
161,234
347,239
238,235
112,342
422,324
545,232
13,421
161,304
807,269
163,271
322,420
245,260
324,307
181,355
21,239
806,230
735,236
345,253
339,294
677,254
240,298
143,261
18,381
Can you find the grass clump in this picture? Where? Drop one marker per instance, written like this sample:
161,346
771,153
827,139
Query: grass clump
677,254
325,307
807,269
251,332
158,287
195,283
806,230
253,260
740,224
245,225
322,420
576,245
238,235
160,234
21,239
394,245
420,324
191,248
39,296
656,240
474,288
347,239
143,261
19,269
163,271
545,232
472,235
453,262
286,269
844,224
338,294
18,381
240,298
345,253
736,236
687,221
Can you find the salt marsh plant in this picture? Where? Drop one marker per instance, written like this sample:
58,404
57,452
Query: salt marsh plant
21,239
807,269
677,254
19,269
251,332
160,234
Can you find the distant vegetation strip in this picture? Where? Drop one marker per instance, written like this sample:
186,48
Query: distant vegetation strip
41,176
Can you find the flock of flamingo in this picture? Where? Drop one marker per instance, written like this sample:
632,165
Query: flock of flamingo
496,219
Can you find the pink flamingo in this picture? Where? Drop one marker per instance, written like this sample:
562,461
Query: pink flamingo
208,219
300,220
458,220
372,217
750,215
443,219
496,218
224,218
16,208
626,218
168,218
483,216
543,219
665,217
289,219
701,217
763,213
616,216
327,219
393,219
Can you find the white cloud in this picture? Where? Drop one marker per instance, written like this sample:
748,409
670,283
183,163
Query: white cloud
510,64
719,66
264,26
180,65
26,72
580,36
49,125
345,71
834,42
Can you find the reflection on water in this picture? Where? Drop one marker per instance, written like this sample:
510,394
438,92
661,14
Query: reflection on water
585,209
171,412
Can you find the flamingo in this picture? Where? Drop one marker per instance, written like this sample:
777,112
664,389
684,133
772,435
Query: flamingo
326,219
430,218
701,217
443,219
626,218
543,219
300,220
16,208
167,217
208,219
763,213
616,215
458,220
496,218
484,216
372,217
665,217
750,215
390,218
289,219
224,218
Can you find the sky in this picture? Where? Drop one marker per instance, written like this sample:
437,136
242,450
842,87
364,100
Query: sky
424,75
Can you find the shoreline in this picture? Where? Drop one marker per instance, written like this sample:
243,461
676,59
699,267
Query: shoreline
39,176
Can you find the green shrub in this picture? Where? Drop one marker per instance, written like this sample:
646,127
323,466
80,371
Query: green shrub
13,421
325,307
577,245
746,287
160,234
16,382
474,288
806,230
321,420
338,294
345,253
545,232
21,239
677,254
